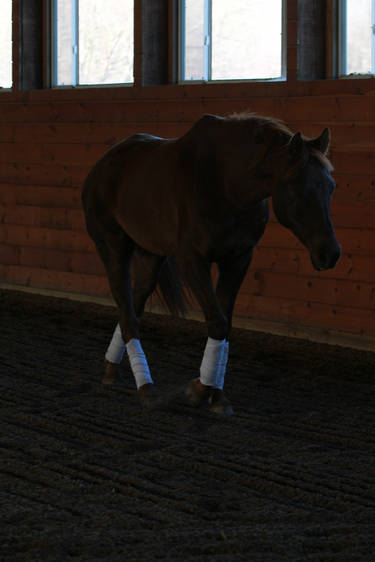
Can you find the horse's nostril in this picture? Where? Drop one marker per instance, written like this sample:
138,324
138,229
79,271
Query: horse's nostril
323,258
329,259
326,257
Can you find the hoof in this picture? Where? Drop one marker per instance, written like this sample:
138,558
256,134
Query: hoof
219,403
197,393
111,373
147,395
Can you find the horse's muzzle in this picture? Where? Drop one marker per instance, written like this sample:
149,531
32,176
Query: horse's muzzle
326,257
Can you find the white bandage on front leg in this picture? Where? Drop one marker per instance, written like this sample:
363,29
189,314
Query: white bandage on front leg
214,363
138,363
116,348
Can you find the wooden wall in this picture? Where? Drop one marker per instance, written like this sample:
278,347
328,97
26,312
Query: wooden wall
49,139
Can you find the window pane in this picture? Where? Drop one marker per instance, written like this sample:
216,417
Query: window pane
194,40
359,36
6,43
246,39
64,42
105,41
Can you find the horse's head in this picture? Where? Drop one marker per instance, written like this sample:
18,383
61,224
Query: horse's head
302,199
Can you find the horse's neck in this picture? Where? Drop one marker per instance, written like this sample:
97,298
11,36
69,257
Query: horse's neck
269,171
245,195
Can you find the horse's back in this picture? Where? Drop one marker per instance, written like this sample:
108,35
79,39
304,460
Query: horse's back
111,164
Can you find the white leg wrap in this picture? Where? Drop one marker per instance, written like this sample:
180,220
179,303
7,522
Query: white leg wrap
116,348
214,363
138,363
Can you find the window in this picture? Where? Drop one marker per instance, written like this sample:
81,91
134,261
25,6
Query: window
6,43
240,40
357,37
93,42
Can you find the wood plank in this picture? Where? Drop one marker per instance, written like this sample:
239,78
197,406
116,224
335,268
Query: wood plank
352,267
351,162
294,109
43,174
300,313
318,289
44,217
59,280
20,153
53,238
104,133
346,215
58,260
354,188
57,153
114,112
40,196
353,240
7,133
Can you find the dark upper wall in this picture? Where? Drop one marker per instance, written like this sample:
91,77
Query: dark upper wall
49,139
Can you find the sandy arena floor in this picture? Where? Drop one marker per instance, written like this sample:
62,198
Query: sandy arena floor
87,475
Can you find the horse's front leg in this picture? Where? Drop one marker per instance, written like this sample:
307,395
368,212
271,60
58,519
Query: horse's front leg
209,385
213,369
231,275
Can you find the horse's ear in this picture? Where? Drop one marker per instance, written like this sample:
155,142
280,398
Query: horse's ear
321,143
296,145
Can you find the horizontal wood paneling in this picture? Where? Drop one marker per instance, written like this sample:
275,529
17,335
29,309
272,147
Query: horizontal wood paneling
45,217
58,260
42,173
40,195
27,236
50,139
52,279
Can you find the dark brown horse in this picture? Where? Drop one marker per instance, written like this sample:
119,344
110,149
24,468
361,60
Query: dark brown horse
172,207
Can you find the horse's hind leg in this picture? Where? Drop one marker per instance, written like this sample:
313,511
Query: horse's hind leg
145,274
116,251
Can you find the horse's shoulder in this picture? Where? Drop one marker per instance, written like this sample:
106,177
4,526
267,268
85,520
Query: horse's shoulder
202,128
207,121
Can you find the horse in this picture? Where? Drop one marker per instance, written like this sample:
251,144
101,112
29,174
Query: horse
162,211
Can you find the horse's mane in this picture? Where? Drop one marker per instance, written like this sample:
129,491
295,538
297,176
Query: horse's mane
271,125
268,123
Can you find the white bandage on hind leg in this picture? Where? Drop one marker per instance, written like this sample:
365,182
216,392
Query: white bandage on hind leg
138,363
116,348
214,363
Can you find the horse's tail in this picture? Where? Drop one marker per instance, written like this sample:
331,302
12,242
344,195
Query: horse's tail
172,288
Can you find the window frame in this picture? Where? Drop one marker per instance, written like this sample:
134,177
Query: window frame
75,53
208,48
11,87
342,44
75,46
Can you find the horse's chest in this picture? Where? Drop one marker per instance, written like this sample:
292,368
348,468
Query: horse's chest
237,237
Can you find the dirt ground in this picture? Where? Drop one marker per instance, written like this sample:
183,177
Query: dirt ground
86,474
